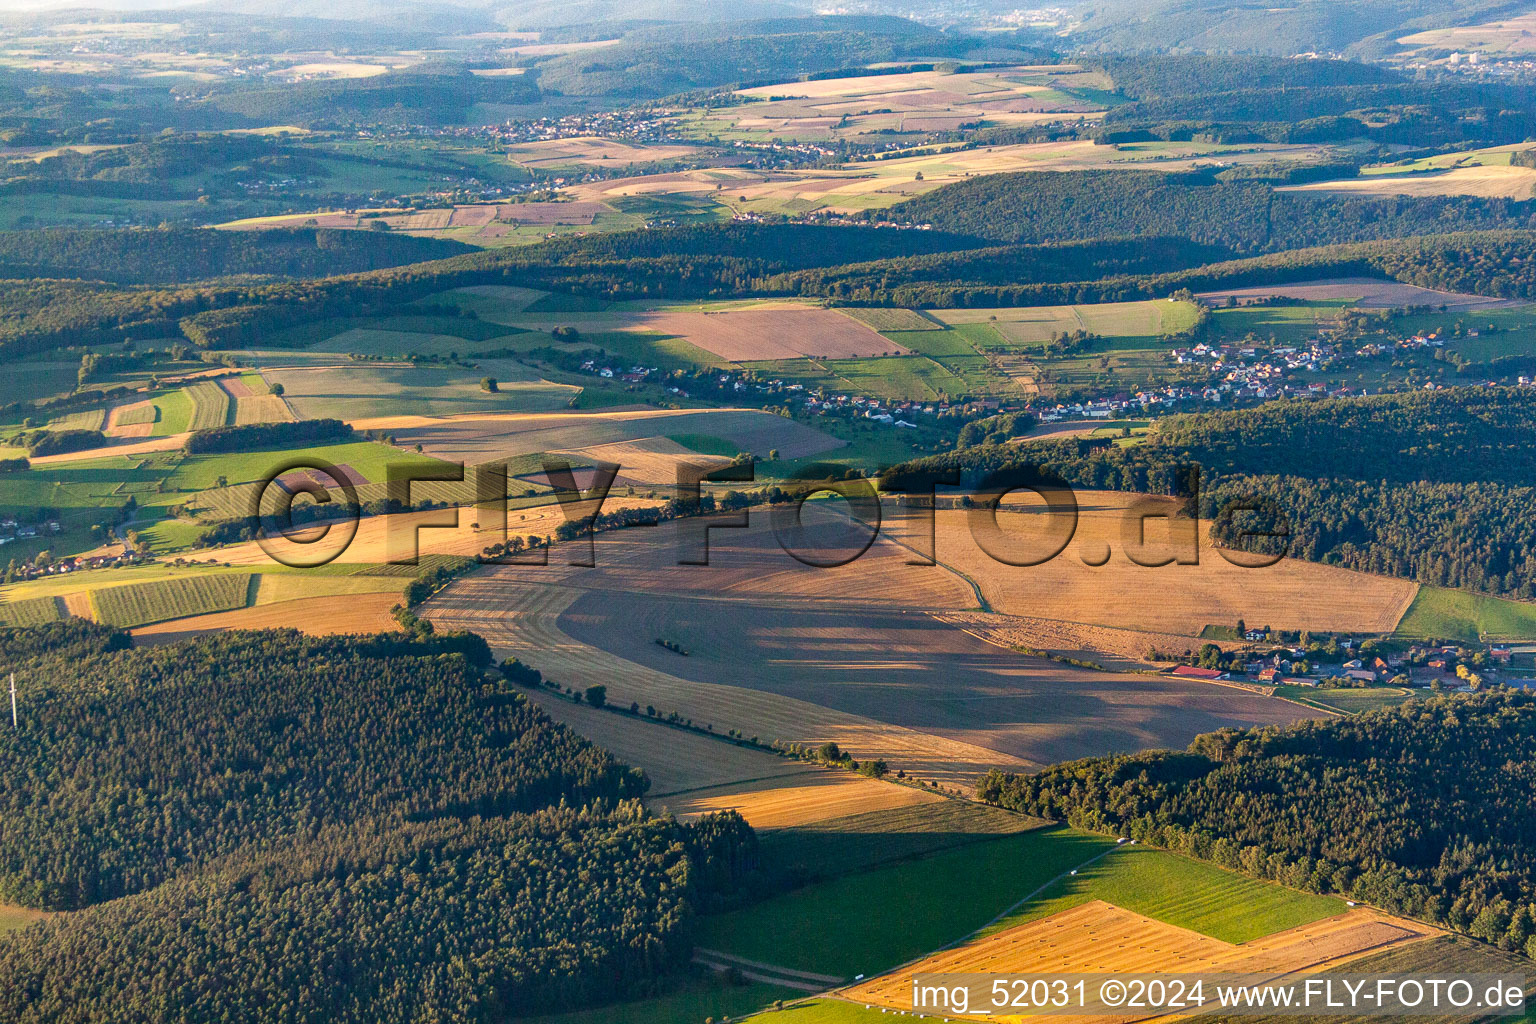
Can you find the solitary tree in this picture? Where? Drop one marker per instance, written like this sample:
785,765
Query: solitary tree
597,696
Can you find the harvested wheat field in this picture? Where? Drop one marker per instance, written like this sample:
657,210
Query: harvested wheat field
795,653
261,409
1177,599
750,335
1098,937
1490,182
78,605
317,616
1119,649
789,800
522,620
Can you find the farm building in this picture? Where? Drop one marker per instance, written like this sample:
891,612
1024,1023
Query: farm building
1192,672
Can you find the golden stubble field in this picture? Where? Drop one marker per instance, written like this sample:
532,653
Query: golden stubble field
1171,599
1101,938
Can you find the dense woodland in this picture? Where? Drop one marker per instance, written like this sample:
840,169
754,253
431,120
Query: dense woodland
1475,535
1160,76
449,850
248,437
177,255
1245,217
1424,809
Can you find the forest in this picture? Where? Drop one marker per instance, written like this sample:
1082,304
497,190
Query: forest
1243,216
1156,76
1424,809
248,437
168,256
446,845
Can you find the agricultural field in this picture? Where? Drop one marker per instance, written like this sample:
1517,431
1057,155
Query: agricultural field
524,621
1349,701
765,334
1433,954
887,319
31,379
1512,36
584,436
997,353
90,492
676,760
320,384
1094,581
210,405
1490,181
1135,909
134,419
689,999
1367,293
30,611
142,603
1098,937
87,419
874,920
857,842
1438,613
1178,891
367,612
782,801
595,152
251,401
1125,324
861,655
1492,156
719,193
489,225
910,103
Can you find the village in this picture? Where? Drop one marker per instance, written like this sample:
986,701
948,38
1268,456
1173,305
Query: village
1352,663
